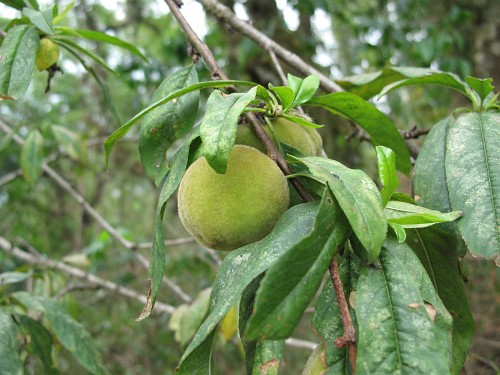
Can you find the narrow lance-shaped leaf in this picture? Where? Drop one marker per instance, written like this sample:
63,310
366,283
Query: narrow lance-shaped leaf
69,332
10,361
291,282
429,182
168,187
64,13
40,342
41,19
380,128
161,127
386,162
473,179
358,197
304,89
481,86
101,37
124,129
18,52
285,95
436,250
411,216
261,356
32,157
70,142
395,332
218,128
240,267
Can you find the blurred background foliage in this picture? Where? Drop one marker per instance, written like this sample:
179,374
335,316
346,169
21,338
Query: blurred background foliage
341,38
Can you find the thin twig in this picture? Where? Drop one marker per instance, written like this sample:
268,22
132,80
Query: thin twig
226,15
65,185
5,179
278,67
349,336
78,273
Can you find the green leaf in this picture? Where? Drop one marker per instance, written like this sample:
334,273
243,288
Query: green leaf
64,13
243,265
473,179
218,128
411,216
367,85
429,182
482,86
260,355
14,277
301,121
327,321
40,342
161,127
70,142
386,162
16,4
41,19
200,361
69,332
399,231
429,76
193,316
69,44
10,361
304,89
358,197
101,37
380,128
18,52
291,282
285,95
436,250
395,333
316,363
168,187
32,157
124,129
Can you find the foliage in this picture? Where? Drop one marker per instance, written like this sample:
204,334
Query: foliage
399,257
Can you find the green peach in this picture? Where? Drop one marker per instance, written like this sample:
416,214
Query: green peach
47,54
227,211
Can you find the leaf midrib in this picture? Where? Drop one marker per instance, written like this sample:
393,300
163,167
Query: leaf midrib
488,175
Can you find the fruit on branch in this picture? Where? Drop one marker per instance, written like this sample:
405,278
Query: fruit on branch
304,139
227,211
47,54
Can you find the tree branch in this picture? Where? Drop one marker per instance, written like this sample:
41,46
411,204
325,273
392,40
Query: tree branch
224,14
349,336
65,185
16,252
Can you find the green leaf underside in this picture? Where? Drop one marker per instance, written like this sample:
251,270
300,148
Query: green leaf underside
395,332
260,354
437,78
386,162
412,216
101,37
10,361
18,52
14,277
40,343
327,321
243,265
380,128
437,253
301,121
161,127
124,129
70,142
358,197
429,181
193,316
399,231
32,157
218,128
284,295
64,13
41,19
304,89
473,179
69,332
